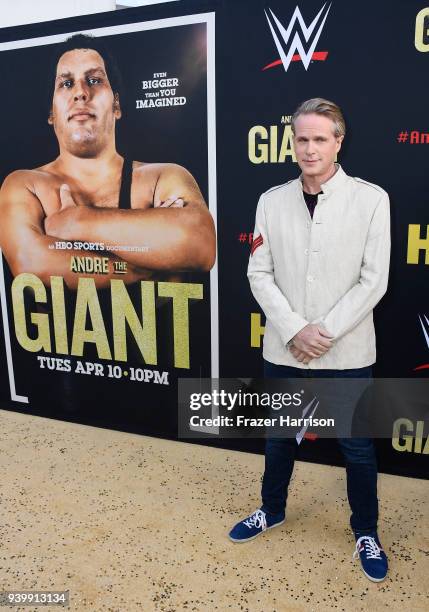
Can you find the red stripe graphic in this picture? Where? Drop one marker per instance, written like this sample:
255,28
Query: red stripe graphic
310,436
319,56
422,367
256,243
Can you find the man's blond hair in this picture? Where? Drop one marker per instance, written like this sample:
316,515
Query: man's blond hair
326,108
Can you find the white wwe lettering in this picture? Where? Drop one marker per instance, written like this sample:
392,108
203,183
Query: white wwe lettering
286,53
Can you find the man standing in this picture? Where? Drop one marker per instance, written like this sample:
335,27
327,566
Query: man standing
319,265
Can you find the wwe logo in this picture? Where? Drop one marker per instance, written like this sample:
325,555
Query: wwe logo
282,35
303,432
425,328
424,322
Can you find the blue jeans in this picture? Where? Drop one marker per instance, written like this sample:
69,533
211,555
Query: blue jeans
359,456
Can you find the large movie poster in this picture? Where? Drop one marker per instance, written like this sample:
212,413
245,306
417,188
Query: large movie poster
108,213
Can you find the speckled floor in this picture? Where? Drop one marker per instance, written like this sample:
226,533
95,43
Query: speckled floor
129,523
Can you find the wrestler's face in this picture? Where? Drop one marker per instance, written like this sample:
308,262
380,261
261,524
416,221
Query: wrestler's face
84,109
316,145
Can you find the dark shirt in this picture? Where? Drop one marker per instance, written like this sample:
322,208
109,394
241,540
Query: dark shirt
311,201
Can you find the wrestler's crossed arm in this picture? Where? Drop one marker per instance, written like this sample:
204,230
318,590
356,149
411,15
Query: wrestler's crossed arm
26,246
177,231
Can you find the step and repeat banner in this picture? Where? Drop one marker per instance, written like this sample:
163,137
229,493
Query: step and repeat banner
131,164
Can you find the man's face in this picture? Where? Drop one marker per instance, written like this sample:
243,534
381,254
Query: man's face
316,145
84,109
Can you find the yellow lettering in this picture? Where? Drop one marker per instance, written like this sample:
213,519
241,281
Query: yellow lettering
88,324
181,294
256,330
87,302
40,320
397,435
273,144
81,264
59,315
416,243
287,145
419,437
421,31
90,265
77,264
123,312
258,152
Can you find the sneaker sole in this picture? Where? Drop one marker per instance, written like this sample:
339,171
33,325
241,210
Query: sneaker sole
255,536
372,578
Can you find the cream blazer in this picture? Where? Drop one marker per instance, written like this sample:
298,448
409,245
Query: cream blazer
331,270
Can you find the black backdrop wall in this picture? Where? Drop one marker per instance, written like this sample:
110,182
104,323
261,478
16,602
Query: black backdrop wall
233,134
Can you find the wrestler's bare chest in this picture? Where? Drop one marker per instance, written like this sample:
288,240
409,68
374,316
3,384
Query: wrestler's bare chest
47,189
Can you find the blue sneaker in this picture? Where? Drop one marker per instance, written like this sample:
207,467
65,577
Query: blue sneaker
372,556
253,525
